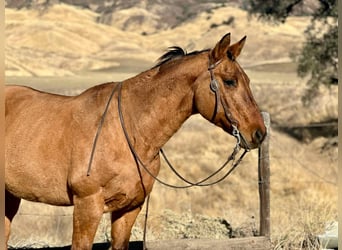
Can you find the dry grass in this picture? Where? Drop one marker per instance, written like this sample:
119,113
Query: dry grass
303,219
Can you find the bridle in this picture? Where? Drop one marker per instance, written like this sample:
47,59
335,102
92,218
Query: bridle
214,86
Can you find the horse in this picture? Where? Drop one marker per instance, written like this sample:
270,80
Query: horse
49,139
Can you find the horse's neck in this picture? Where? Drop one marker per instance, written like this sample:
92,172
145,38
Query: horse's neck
159,103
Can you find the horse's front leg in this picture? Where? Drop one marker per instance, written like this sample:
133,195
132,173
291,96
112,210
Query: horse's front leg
88,211
121,228
11,208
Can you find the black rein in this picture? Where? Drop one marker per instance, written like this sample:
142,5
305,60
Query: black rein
214,86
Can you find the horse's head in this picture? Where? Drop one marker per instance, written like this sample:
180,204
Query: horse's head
223,95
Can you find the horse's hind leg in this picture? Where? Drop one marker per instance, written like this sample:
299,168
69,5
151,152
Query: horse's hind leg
121,228
11,208
87,215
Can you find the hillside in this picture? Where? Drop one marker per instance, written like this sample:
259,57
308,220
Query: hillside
66,49
95,49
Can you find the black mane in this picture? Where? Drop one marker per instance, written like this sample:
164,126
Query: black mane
173,53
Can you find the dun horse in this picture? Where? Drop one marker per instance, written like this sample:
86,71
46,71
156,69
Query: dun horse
49,138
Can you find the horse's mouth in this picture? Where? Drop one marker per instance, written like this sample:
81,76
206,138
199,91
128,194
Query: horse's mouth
245,144
254,143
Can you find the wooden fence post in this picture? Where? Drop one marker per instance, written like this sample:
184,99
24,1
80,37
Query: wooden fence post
264,179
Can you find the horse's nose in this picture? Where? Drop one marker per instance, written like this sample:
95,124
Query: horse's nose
258,136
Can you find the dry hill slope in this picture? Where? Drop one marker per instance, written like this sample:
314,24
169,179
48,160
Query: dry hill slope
64,39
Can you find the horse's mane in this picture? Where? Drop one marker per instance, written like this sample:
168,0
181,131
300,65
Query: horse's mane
173,53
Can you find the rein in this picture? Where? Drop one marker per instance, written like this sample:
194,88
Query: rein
99,128
214,86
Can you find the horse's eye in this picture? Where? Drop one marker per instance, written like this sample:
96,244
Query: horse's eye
230,82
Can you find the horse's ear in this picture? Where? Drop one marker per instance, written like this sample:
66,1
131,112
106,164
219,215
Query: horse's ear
235,49
220,49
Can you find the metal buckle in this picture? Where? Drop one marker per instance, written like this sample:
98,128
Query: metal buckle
236,134
214,85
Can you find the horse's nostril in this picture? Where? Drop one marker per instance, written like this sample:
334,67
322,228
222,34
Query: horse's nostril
259,136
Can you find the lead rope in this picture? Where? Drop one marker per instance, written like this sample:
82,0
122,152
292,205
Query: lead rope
215,88
148,197
145,222
190,184
201,183
236,134
99,128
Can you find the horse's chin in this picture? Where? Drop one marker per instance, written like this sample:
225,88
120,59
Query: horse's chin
248,145
245,144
